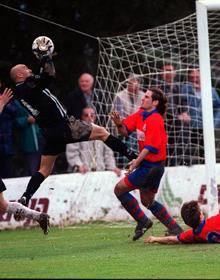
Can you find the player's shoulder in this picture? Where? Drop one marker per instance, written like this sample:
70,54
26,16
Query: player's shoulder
157,116
137,113
214,217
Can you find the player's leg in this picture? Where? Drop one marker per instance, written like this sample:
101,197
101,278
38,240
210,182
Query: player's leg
82,131
100,133
46,167
131,205
3,203
148,193
163,215
22,211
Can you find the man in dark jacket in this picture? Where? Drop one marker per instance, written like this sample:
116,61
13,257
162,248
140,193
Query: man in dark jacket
81,97
13,207
7,118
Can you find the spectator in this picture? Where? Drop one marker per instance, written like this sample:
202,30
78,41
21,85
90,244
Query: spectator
7,151
30,140
192,90
81,97
177,118
90,156
15,207
127,102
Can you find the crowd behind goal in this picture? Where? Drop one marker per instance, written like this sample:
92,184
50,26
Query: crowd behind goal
183,124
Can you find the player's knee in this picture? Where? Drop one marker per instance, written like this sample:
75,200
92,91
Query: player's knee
118,190
45,171
147,201
3,205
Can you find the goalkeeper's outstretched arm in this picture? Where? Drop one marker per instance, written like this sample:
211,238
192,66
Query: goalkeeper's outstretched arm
47,65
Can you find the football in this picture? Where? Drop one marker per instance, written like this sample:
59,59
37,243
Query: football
42,45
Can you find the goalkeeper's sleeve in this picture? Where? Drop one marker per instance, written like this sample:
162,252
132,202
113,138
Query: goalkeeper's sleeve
47,65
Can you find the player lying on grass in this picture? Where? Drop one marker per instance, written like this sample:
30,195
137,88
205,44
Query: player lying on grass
202,230
15,207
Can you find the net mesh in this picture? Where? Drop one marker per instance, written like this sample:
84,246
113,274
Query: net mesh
165,56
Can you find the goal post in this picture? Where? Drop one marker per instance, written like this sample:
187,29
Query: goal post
191,43
202,8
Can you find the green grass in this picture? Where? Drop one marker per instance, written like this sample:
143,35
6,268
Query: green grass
101,250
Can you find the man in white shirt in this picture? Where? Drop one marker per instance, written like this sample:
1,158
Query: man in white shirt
90,155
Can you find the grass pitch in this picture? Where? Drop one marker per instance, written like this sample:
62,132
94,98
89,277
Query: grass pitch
102,251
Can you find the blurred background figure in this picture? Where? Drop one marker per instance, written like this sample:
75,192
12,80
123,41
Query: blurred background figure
29,141
177,117
192,91
126,102
80,97
75,101
7,149
90,155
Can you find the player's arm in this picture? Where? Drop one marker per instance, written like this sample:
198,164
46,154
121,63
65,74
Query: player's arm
47,65
119,124
136,162
162,239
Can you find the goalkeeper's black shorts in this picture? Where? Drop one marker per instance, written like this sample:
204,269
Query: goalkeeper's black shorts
68,130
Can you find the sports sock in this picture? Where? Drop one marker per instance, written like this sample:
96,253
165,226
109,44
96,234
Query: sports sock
130,203
24,212
33,185
118,146
161,213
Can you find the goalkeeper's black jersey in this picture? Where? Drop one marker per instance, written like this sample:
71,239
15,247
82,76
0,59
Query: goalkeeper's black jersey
36,97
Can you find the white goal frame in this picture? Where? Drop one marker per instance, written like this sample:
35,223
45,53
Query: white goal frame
202,8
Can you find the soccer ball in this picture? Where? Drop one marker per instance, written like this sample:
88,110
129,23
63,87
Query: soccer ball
42,45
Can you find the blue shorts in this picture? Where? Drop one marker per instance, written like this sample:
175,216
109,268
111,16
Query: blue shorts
146,176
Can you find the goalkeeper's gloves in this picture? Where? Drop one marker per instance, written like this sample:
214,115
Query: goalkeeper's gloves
45,58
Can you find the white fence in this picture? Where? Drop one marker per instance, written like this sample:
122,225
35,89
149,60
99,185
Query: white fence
74,198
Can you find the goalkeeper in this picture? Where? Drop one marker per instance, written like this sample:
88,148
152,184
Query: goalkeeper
202,230
146,171
58,129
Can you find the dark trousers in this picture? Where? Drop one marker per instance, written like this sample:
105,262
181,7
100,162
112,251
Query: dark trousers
6,169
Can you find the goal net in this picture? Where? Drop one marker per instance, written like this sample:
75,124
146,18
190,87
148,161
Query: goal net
165,56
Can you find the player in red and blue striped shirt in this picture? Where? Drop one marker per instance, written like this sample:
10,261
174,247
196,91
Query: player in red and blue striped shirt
146,171
202,230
